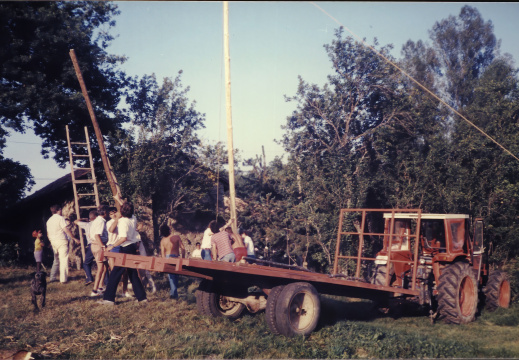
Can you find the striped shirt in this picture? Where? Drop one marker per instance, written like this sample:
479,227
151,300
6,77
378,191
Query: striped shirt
222,241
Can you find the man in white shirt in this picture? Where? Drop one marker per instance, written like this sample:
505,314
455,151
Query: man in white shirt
247,241
206,243
56,232
128,239
100,237
89,257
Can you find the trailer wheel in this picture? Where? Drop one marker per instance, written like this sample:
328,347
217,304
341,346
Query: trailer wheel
199,302
457,294
270,310
210,303
497,291
218,305
297,309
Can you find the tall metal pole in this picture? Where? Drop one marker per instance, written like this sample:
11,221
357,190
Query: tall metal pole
102,149
230,148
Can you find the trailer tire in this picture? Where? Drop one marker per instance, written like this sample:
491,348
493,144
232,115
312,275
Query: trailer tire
457,294
297,309
199,302
210,303
270,310
497,291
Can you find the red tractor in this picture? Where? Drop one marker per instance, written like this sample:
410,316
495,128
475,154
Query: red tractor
451,271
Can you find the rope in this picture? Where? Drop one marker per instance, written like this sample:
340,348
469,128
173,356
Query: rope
416,82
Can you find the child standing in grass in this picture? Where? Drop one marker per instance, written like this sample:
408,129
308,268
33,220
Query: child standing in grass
38,248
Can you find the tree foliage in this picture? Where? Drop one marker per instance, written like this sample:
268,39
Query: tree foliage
371,138
158,159
15,179
38,85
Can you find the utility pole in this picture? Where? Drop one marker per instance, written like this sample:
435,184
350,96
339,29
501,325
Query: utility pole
230,148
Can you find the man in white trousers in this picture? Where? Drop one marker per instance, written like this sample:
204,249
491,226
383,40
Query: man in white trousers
56,231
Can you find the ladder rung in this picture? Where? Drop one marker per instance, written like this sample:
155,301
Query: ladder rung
80,168
86,194
88,207
79,143
74,155
89,181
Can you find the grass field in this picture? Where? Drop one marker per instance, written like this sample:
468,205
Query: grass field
73,326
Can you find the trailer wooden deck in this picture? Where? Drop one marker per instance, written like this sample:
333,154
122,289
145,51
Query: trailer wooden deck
244,274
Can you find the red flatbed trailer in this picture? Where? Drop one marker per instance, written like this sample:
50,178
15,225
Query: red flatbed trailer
289,294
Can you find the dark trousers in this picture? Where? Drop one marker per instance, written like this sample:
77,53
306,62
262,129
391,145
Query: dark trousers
87,264
133,275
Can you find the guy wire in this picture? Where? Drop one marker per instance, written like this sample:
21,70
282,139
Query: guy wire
416,82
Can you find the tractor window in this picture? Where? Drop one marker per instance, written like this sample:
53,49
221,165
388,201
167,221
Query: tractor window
400,242
458,234
434,234
478,237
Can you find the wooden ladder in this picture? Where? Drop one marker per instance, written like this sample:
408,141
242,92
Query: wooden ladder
91,183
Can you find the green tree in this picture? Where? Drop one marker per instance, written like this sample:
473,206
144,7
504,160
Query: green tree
467,173
15,180
158,161
38,85
464,46
332,160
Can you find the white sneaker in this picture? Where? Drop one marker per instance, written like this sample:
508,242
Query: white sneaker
127,294
105,302
101,290
94,293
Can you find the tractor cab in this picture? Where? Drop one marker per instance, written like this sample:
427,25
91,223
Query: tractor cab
445,235
442,239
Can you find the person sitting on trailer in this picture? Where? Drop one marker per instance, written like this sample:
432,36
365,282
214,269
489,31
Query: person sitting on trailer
221,244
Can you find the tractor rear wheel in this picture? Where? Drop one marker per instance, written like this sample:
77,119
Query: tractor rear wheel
211,303
382,304
457,294
497,291
270,310
297,309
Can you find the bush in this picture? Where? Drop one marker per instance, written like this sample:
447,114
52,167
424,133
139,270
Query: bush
9,253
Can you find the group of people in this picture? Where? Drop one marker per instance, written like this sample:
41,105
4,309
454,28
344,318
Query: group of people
107,229
224,245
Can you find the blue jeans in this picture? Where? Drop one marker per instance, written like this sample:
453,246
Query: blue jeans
173,281
206,254
87,264
230,257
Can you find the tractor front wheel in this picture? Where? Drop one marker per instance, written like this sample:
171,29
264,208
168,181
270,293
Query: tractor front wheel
457,294
497,291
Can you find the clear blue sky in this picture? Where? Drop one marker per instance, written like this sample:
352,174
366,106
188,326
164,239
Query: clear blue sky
271,43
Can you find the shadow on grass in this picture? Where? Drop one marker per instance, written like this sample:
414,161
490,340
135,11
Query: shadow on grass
15,279
334,310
